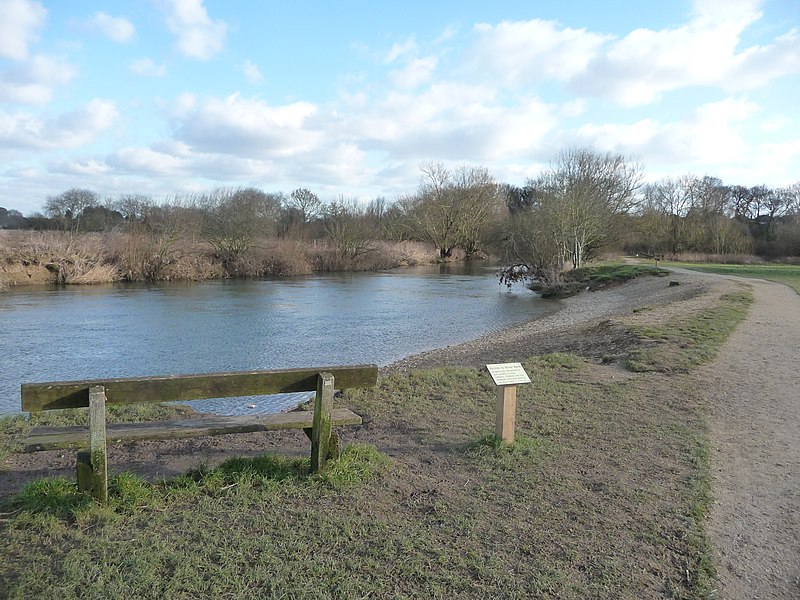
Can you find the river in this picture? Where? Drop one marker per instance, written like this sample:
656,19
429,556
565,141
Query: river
126,330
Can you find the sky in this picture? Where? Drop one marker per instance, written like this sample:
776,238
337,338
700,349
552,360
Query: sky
350,98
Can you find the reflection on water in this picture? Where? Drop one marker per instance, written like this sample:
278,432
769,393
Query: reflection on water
237,325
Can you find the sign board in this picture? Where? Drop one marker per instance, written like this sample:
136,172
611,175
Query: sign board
508,374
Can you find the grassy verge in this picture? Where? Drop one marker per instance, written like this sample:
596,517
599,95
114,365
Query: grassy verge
691,340
786,274
595,278
593,501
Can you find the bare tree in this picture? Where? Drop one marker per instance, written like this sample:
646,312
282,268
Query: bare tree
451,209
233,220
306,202
579,196
68,206
347,225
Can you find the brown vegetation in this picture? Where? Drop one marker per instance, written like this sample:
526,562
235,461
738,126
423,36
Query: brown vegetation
36,257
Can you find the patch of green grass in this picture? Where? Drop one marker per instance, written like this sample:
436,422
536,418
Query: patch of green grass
786,274
596,277
496,453
700,558
128,494
595,499
693,340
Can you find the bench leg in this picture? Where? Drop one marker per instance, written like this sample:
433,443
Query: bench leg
321,429
93,464
334,447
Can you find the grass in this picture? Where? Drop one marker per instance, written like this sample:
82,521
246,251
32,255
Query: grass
786,274
692,340
596,277
604,494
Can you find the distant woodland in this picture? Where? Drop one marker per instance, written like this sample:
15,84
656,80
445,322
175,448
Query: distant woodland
585,204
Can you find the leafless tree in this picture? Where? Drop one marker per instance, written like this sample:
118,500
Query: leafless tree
306,202
451,208
579,196
68,206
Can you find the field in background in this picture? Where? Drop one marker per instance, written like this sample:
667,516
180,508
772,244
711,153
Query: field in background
787,274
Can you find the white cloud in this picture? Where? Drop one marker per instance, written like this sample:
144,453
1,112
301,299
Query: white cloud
251,71
148,68
448,33
146,161
69,130
245,127
401,49
640,67
528,52
415,73
757,66
32,80
89,166
731,10
118,29
198,35
710,137
19,26
336,166
450,121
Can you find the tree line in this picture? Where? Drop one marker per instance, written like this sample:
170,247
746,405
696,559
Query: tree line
585,203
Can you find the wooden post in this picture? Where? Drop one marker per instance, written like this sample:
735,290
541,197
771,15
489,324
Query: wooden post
84,468
97,444
505,412
321,428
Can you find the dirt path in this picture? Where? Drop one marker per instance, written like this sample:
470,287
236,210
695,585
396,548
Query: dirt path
754,392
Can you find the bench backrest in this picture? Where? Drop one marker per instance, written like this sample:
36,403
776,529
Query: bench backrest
136,390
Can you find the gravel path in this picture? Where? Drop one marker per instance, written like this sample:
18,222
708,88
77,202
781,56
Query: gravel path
754,389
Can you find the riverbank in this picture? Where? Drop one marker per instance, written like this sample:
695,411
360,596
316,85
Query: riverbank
596,325
49,257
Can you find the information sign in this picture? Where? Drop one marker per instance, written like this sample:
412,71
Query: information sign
508,374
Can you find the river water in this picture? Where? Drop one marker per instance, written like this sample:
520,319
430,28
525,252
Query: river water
92,332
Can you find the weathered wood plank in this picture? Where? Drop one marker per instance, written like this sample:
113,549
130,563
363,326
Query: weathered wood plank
134,390
321,429
97,443
55,438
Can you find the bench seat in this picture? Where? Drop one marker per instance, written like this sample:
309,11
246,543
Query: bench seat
77,437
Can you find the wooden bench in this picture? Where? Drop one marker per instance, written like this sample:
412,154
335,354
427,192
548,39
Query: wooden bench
92,467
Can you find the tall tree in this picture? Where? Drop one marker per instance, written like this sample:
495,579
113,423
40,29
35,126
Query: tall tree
306,203
233,220
68,206
579,197
451,208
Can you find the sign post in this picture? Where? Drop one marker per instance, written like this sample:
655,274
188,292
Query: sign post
506,377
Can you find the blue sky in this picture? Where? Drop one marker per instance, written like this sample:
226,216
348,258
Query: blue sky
349,98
